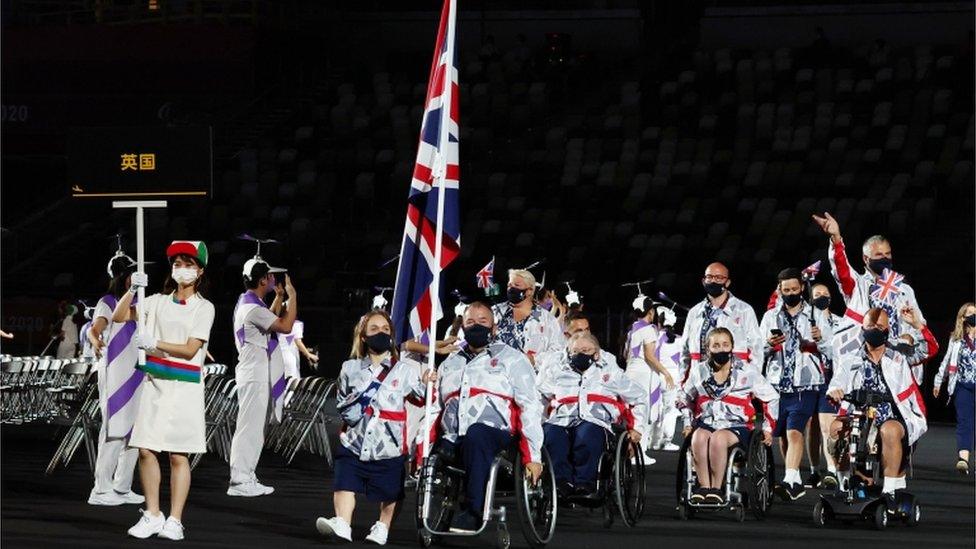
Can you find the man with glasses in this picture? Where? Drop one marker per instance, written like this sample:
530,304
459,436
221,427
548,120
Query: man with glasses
721,309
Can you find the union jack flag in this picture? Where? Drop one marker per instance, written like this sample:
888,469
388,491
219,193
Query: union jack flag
486,276
811,272
436,169
887,288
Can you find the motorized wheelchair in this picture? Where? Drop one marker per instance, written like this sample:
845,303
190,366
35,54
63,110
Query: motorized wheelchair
748,485
441,486
860,497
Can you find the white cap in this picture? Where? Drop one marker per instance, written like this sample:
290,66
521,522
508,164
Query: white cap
129,262
572,298
638,303
250,264
667,314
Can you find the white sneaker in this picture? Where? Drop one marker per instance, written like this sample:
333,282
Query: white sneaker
648,460
378,533
131,497
148,525
338,527
671,447
111,498
249,489
172,529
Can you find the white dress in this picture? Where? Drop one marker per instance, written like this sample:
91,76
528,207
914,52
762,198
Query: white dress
68,346
171,413
289,349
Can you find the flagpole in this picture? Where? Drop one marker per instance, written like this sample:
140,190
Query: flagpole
440,174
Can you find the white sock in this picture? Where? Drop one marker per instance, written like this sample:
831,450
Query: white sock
890,485
831,468
843,479
792,476
900,483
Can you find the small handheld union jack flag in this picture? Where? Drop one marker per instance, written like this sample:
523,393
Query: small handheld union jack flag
486,276
811,272
888,287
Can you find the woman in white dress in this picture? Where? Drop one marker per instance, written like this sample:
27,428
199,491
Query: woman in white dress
176,328
68,345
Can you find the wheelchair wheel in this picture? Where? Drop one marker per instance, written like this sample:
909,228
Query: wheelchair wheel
681,476
914,515
760,471
443,492
820,514
628,480
537,505
880,516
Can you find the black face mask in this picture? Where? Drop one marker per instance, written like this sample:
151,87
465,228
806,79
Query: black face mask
721,358
792,300
714,289
878,266
971,320
581,362
516,296
875,337
821,302
379,343
477,335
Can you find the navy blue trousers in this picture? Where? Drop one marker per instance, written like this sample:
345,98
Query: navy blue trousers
478,448
575,452
964,397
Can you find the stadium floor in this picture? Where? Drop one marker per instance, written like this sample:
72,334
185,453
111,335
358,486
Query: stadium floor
50,511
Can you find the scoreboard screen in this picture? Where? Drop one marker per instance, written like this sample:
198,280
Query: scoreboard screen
140,162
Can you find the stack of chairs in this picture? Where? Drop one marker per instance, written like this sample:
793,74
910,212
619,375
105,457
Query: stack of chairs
310,411
220,404
76,399
40,389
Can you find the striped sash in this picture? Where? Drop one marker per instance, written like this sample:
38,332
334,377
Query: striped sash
167,368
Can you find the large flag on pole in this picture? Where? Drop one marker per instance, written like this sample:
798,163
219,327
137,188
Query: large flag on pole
432,233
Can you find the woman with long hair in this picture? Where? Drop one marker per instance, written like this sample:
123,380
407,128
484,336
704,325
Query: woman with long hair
373,387
174,334
958,368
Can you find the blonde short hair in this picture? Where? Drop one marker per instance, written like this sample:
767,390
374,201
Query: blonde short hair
525,275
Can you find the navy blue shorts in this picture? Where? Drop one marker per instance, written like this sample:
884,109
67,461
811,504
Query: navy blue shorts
824,404
795,410
380,480
743,433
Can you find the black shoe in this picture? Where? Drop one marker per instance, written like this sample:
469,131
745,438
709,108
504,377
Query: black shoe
565,489
828,482
715,496
790,492
698,495
813,480
587,492
465,523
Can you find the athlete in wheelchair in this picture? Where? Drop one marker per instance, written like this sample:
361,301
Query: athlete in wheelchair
723,464
882,416
590,431
488,416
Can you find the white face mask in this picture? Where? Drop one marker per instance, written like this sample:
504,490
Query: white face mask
184,275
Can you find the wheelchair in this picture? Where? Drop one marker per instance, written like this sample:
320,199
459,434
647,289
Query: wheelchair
860,497
620,483
441,485
749,475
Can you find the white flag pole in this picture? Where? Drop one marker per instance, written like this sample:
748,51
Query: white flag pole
440,176
140,206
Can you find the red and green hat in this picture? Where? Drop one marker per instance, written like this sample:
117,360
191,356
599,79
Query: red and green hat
196,249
